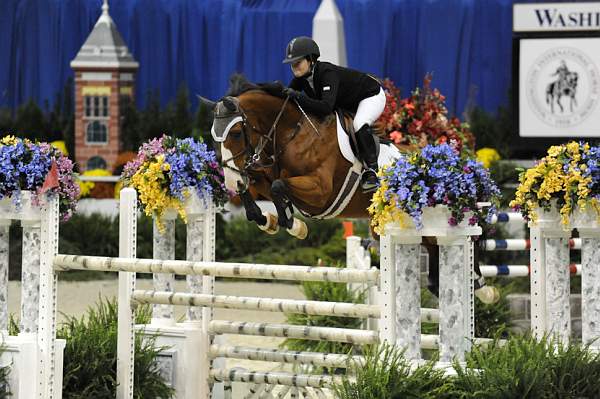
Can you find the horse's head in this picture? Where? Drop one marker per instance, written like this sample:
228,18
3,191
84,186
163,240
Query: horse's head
244,127
572,79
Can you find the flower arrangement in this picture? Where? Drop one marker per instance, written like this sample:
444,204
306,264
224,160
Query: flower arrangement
38,167
437,175
165,168
422,119
569,175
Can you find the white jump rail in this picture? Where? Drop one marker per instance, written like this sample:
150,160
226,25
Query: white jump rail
399,294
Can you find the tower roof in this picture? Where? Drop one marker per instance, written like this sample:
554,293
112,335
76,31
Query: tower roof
104,47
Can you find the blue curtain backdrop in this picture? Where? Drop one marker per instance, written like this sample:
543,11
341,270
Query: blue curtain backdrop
465,43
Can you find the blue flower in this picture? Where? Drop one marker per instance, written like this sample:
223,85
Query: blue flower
439,176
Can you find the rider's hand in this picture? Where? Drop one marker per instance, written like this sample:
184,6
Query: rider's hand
291,93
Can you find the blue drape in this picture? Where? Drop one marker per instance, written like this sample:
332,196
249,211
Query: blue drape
466,44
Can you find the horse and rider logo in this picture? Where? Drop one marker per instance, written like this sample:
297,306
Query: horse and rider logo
563,86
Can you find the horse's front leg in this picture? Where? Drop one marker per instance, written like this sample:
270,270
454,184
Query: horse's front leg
265,221
285,210
562,109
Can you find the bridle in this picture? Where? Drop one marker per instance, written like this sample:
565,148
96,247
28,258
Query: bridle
253,163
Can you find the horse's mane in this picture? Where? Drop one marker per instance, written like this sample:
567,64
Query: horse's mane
239,84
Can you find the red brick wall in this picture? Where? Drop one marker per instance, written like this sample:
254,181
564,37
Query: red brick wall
109,151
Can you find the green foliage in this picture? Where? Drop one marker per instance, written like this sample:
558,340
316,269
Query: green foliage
131,136
495,131
181,116
177,118
385,374
90,357
31,121
493,319
506,175
242,241
330,292
527,368
523,367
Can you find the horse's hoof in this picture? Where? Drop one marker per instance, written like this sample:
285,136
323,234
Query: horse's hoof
488,294
299,229
271,227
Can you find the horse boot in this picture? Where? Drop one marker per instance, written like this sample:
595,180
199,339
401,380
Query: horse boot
367,148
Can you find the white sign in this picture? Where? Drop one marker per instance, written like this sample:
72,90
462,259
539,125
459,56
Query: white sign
556,17
559,87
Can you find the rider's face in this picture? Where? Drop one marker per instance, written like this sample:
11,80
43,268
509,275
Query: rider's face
300,68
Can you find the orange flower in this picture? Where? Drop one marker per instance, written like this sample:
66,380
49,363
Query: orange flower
396,136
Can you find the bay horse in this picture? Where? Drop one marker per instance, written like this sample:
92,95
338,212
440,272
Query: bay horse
271,148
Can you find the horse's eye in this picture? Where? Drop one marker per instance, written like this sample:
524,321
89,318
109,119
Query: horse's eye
235,134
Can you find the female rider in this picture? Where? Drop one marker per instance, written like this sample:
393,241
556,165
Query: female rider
320,87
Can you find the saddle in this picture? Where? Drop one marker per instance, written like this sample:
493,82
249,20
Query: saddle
345,119
346,137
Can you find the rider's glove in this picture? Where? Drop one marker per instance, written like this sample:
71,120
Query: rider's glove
291,93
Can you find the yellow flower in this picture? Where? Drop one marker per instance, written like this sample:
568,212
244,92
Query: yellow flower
487,156
152,185
9,140
549,180
87,186
555,150
61,146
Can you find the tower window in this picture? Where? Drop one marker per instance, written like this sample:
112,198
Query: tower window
97,132
96,162
95,106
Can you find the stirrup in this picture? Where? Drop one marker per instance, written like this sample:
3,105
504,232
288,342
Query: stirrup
369,181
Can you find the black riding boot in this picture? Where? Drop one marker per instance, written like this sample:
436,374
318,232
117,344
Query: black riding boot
367,148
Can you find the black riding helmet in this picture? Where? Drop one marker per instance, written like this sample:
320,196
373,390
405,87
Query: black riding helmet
301,47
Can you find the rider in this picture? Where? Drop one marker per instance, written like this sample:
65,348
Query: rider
320,87
562,71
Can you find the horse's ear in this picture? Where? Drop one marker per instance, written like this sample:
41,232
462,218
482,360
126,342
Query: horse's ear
208,103
231,103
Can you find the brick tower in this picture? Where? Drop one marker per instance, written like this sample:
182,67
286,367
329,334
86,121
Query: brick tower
104,80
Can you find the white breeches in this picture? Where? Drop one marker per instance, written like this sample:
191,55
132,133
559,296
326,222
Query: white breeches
369,110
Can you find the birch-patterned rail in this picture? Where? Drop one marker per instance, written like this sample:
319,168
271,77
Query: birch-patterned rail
285,356
275,377
316,308
357,337
216,269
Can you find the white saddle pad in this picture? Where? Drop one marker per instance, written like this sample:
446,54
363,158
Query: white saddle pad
388,153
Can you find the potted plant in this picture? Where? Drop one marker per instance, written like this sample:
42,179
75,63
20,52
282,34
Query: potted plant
167,172
29,170
563,187
435,188
422,119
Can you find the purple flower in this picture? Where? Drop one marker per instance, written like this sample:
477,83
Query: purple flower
439,176
192,165
25,165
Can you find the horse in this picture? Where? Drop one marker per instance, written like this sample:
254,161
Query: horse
270,145
271,148
566,86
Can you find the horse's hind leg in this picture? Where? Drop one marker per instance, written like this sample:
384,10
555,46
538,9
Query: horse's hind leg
285,211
